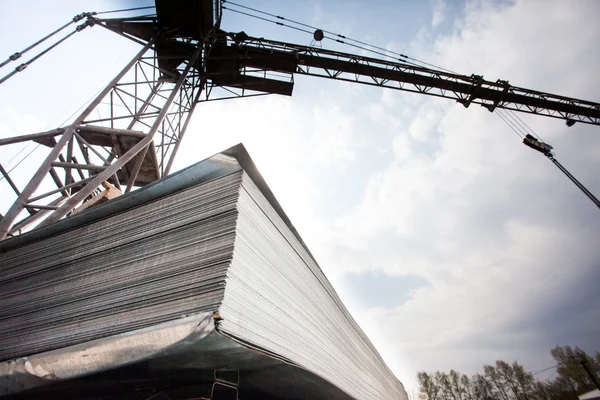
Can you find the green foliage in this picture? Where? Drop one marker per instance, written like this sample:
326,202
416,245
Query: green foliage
568,365
504,381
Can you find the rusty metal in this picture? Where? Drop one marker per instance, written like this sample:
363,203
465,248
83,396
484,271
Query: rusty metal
142,115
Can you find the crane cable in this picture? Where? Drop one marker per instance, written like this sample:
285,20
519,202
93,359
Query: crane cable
267,20
18,54
544,370
18,154
124,10
23,66
21,160
311,32
341,38
517,124
529,136
522,124
515,128
303,30
79,28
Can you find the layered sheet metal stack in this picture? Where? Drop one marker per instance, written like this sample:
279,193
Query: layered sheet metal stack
148,265
210,239
278,298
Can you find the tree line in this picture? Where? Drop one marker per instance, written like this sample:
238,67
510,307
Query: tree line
510,381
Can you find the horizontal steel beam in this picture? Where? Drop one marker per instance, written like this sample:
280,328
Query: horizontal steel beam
90,167
292,58
61,189
29,221
40,207
33,136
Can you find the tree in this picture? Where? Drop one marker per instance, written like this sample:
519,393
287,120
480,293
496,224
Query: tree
443,382
504,381
525,380
568,366
494,377
467,385
428,386
508,376
557,389
482,388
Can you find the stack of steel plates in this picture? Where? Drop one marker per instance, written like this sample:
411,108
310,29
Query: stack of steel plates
203,262
279,300
150,264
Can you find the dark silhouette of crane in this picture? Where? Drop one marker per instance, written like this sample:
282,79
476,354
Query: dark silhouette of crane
186,58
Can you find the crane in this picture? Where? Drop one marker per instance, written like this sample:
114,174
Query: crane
130,133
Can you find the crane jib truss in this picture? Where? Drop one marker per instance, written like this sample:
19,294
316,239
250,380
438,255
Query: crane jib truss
130,133
238,61
304,60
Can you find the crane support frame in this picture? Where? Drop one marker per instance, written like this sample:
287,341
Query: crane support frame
127,136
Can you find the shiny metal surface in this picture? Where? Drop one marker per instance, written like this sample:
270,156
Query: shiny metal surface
100,355
180,357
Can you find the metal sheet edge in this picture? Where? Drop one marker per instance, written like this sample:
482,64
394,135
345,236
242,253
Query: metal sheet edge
95,356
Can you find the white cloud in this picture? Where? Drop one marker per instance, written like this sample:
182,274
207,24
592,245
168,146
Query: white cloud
439,10
334,140
490,224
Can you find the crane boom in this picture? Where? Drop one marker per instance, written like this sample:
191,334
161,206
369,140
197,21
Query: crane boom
240,61
266,54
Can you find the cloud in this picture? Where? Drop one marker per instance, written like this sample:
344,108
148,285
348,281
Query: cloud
439,9
333,138
501,236
374,289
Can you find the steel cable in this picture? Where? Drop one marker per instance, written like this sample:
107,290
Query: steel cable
267,20
18,54
522,123
382,51
515,128
124,10
23,159
18,154
28,63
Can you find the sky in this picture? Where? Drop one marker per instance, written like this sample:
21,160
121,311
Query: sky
451,243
